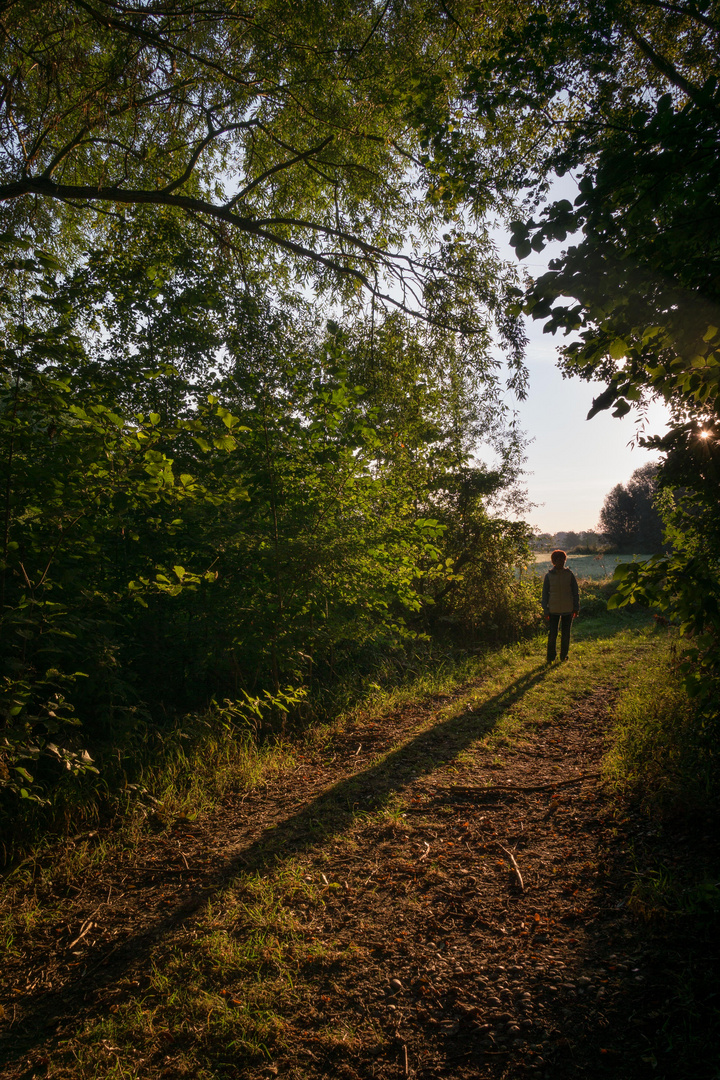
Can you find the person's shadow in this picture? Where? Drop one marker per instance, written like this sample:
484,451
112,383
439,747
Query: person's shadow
330,813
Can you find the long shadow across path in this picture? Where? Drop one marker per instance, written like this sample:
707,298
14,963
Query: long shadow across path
329,813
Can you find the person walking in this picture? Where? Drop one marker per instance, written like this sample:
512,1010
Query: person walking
560,604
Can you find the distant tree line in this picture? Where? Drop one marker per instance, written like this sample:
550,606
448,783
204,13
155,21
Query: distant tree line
630,521
585,540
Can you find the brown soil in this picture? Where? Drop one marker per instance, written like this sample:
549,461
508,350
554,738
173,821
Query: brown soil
485,928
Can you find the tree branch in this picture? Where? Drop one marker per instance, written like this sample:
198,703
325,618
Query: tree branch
278,168
77,139
73,193
666,68
688,12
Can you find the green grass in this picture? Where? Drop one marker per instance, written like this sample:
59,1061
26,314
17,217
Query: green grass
219,991
663,761
661,751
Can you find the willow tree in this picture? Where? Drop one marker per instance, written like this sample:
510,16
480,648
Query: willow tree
292,132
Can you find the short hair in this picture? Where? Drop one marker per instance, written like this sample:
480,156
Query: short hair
558,557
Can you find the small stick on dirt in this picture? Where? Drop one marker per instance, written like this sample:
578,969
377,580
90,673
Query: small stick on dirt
84,929
168,869
516,868
425,853
87,925
407,1068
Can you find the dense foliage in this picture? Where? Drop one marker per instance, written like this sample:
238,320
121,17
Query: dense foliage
291,133
228,473
211,494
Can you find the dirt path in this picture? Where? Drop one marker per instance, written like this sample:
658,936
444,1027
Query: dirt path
412,901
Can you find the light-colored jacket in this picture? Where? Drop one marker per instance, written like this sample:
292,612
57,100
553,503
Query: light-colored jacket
560,593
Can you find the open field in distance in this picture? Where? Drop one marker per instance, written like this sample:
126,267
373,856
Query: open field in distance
586,566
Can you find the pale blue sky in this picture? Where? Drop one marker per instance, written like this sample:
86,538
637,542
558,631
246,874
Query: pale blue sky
573,462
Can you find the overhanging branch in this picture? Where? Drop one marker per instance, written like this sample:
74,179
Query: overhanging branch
397,264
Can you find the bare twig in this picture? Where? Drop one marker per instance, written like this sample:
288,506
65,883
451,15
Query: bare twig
425,853
515,867
88,924
84,929
166,869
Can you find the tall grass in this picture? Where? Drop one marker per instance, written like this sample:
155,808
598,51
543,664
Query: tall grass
177,771
662,753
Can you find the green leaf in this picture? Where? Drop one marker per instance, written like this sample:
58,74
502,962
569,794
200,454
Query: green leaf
47,261
618,348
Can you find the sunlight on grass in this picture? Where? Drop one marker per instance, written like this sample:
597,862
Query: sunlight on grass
660,751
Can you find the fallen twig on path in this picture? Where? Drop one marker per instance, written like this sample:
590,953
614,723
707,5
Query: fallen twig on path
87,924
515,867
165,869
84,929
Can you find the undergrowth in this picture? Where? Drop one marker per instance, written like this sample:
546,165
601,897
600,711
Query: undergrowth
663,754
218,990
663,762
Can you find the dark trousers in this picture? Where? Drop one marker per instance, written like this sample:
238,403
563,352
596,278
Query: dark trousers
567,621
